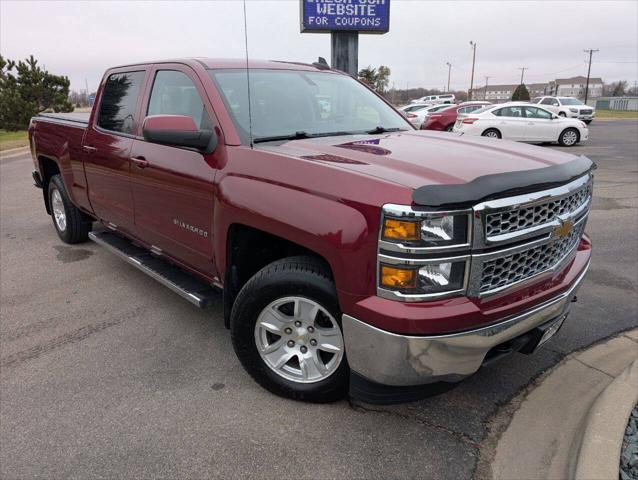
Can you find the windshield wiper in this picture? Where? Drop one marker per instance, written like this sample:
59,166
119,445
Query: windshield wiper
300,135
381,129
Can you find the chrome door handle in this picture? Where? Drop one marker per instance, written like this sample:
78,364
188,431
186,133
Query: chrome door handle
89,149
140,161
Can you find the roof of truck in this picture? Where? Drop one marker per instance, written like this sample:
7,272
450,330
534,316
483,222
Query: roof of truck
238,63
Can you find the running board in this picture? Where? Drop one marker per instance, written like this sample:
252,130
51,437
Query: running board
192,289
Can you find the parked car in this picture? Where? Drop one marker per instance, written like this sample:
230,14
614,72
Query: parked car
435,99
567,107
444,119
354,253
523,122
418,115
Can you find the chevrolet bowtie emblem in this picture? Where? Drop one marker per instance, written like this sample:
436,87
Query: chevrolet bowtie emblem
564,228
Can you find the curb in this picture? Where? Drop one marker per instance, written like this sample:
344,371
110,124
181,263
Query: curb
599,453
540,433
13,152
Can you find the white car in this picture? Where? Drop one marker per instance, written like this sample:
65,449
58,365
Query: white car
436,99
522,122
416,113
567,107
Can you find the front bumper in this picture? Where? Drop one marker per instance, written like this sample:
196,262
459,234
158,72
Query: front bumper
401,360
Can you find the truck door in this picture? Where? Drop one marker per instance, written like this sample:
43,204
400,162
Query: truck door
107,146
173,186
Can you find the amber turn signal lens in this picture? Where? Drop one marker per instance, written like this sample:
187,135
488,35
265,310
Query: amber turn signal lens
398,277
400,230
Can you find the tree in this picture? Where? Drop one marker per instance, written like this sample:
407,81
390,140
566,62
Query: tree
26,90
368,75
520,94
377,78
383,79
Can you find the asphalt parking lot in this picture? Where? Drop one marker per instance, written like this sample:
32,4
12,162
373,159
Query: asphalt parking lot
106,373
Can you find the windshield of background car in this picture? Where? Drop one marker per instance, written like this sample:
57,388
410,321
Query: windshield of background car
283,102
570,101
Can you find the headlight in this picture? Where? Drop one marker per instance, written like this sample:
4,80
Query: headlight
423,255
432,279
573,110
431,230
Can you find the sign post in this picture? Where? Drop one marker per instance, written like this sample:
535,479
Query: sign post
344,20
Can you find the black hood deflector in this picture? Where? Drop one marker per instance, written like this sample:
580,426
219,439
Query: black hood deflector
500,185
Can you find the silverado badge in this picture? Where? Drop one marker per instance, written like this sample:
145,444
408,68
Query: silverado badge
564,228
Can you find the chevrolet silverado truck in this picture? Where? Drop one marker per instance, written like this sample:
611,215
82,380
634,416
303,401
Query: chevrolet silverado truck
353,253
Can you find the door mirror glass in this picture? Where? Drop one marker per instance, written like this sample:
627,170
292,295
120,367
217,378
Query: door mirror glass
178,131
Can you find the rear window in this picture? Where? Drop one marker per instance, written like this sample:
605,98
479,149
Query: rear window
119,101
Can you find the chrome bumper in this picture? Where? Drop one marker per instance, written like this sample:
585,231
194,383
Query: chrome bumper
399,360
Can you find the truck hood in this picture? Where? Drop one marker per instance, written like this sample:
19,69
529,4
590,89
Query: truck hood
420,158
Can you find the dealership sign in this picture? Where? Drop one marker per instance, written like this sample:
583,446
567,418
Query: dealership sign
364,16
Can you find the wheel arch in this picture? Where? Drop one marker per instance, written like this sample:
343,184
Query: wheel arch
49,167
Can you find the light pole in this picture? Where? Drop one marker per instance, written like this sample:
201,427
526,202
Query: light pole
522,69
485,93
591,52
449,71
473,44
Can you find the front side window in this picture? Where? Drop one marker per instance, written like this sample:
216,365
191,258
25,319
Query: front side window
533,112
285,102
119,101
175,94
510,112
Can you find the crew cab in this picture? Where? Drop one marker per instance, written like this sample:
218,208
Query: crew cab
353,252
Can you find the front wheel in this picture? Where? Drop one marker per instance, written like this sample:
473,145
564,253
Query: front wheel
587,121
492,133
562,114
569,137
69,223
286,331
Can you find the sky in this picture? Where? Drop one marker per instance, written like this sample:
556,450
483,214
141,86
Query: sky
80,39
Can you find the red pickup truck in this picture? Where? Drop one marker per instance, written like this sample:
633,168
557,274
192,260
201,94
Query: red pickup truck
354,253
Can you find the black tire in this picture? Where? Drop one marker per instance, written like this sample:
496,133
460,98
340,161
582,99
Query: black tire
587,121
562,114
77,227
563,137
449,128
294,276
490,131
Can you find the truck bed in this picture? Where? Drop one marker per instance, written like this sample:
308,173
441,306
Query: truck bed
81,119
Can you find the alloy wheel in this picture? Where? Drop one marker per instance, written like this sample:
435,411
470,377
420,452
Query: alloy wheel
299,340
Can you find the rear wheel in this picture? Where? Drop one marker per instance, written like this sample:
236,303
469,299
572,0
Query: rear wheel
69,222
562,114
286,331
569,137
492,133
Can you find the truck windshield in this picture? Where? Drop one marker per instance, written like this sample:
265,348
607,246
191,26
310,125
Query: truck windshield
570,101
285,102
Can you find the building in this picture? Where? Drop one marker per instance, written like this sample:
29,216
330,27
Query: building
503,93
562,87
575,87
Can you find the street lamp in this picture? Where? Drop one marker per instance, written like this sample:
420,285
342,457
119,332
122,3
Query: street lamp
449,71
473,44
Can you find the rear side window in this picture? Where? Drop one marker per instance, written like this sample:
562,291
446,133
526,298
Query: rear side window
174,93
119,101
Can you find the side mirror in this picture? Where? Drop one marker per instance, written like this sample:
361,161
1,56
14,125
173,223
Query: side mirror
178,131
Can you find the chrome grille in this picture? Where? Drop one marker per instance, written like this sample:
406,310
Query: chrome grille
510,269
508,221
